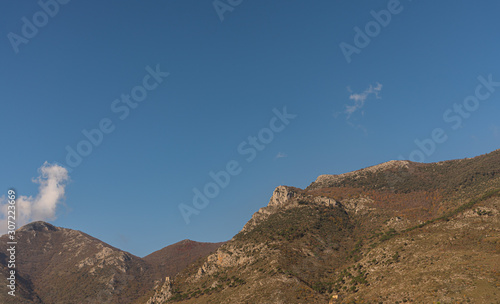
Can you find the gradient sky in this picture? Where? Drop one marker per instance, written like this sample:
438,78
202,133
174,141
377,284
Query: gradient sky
226,77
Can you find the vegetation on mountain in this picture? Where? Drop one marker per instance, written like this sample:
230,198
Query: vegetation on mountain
59,265
399,232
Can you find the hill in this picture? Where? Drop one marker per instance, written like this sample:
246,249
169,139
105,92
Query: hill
59,265
398,232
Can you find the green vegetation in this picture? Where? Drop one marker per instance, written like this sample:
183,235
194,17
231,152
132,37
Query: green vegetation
388,235
458,210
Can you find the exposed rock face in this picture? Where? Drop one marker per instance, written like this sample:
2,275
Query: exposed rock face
281,196
285,197
104,258
326,201
162,294
360,205
227,256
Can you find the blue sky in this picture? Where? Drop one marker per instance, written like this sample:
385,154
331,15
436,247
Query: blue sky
225,78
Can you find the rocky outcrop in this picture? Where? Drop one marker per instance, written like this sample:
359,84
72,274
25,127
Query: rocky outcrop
326,201
228,256
163,294
285,197
104,258
281,196
360,205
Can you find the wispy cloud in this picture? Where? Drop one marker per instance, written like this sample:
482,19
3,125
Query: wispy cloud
496,131
281,155
52,180
360,98
358,127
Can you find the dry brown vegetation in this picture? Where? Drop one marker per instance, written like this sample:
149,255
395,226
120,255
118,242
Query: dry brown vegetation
421,233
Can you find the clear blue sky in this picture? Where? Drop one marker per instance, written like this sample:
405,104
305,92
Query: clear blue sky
225,80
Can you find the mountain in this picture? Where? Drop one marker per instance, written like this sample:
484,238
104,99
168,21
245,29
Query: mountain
59,265
174,258
398,232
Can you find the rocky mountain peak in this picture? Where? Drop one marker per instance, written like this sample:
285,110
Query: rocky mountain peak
38,226
281,195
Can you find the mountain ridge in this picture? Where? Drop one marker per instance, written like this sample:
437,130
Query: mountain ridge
395,232
51,261
343,239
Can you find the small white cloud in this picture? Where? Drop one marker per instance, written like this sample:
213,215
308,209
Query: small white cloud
52,180
360,98
496,131
281,155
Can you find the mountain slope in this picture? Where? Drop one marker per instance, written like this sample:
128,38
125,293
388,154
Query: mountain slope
173,258
56,260
24,292
393,233
59,265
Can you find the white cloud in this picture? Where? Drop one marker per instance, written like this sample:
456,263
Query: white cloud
360,98
52,180
281,155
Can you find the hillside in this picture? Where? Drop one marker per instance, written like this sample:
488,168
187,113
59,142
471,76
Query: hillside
172,259
399,232
59,265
